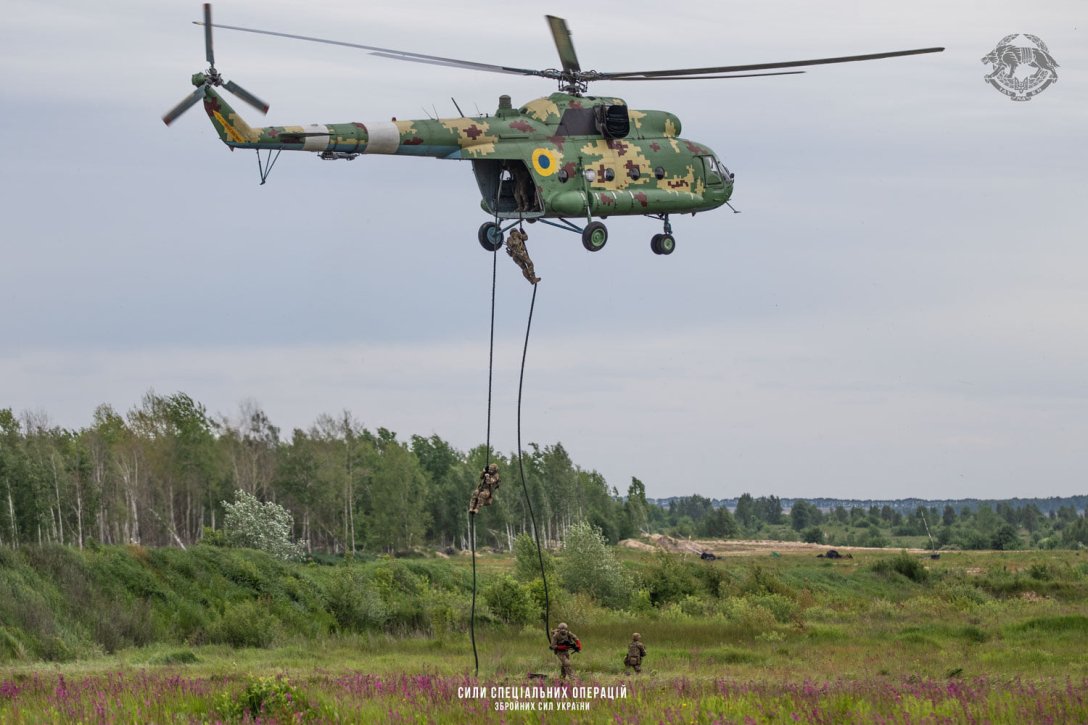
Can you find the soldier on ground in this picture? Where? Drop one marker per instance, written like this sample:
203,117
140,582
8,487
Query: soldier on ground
515,247
485,491
635,652
563,643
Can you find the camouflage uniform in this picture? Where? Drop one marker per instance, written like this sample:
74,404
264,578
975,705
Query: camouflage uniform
523,187
485,491
635,652
563,643
515,247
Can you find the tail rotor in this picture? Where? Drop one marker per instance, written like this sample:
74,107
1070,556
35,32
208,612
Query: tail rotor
211,78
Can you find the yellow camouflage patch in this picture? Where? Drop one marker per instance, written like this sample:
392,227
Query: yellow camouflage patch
542,109
620,156
232,133
472,135
670,128
679,184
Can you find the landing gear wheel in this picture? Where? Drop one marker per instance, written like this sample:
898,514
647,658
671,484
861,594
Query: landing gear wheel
594,236
490,236
666,243
655,242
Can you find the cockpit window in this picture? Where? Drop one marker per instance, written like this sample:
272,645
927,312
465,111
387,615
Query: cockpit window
713,173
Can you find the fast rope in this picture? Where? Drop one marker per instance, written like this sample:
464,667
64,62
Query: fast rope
487,462
521,470
521,467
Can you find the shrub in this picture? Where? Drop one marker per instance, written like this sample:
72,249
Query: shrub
671,579
266,699
589,566
903,563
354,603
762,581
526,561
265,526
245,624
508,600
783,608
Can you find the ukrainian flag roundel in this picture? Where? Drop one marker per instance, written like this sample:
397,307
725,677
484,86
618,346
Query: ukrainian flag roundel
544,162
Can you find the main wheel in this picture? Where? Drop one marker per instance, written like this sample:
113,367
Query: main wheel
490,236
594,236
655,243
666,243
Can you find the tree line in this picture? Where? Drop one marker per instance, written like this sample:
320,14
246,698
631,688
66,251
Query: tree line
1006,525
159,475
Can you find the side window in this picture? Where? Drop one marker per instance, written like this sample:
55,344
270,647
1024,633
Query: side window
713,175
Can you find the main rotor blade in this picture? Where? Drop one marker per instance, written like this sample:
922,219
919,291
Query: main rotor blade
465,64
208,34
762,66
563,43
184,106
701,78
391,53
246,96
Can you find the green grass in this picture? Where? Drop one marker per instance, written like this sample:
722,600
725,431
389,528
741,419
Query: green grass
227,618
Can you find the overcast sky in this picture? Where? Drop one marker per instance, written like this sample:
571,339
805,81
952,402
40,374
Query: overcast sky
901,308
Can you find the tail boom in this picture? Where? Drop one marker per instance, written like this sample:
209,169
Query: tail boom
438,138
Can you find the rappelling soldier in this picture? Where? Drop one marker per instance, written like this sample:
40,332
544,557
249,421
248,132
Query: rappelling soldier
635,652
485,491
515,247
564,643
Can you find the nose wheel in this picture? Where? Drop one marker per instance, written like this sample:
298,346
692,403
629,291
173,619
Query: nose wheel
662,244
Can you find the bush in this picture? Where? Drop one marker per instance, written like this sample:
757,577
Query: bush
250,524
526,561
354,603
589,566
508,600
266,699
903,563
245,624
671,579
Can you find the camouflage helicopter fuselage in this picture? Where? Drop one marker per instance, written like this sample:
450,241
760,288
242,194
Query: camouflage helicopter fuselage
586,156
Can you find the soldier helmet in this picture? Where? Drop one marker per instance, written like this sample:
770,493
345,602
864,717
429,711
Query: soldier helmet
493,468
636,636
562,625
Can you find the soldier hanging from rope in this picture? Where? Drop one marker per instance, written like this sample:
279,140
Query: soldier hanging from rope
515,247
485,491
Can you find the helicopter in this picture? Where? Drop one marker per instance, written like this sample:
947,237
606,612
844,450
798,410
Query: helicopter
564,157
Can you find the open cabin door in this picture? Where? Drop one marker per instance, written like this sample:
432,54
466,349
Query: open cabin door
498,180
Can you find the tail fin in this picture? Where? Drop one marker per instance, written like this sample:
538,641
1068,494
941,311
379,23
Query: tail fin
231,127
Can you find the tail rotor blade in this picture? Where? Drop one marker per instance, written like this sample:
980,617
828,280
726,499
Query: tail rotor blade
246,96
208,34
184,106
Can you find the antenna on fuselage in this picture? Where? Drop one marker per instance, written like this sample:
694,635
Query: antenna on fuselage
457,107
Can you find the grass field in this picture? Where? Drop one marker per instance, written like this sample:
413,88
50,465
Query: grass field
882,637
